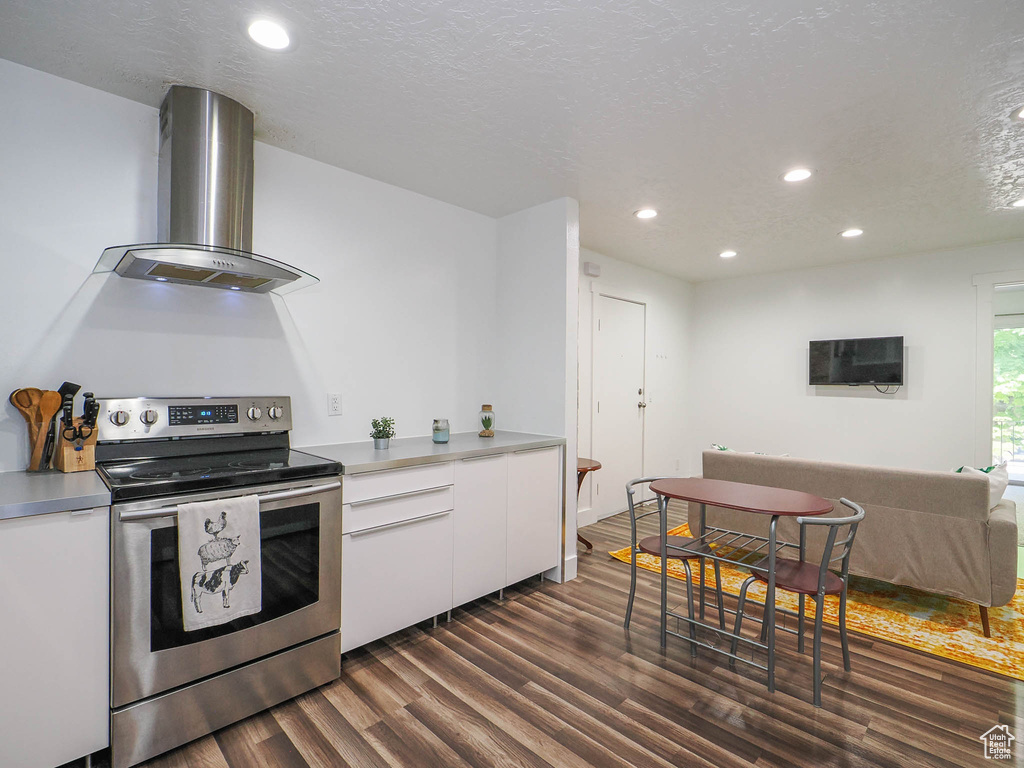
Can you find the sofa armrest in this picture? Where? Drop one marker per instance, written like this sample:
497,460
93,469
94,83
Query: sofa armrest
1002,547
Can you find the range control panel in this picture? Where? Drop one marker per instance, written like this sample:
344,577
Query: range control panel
142,418
178,415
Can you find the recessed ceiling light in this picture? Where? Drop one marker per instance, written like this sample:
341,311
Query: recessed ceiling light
646,213
852,232
1019,203
797,174
269,34
1018,113
727,254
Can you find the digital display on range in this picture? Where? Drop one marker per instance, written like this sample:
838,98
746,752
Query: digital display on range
179,415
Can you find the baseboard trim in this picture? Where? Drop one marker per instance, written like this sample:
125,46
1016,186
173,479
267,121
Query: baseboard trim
568,571
585,517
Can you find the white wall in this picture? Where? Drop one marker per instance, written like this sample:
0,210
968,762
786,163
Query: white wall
748,366
403,322
530,353
535,353
668,301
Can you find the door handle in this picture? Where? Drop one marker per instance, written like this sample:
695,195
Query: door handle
292,493
641,404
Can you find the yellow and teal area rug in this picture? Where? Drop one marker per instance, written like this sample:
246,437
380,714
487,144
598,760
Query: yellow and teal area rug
942,626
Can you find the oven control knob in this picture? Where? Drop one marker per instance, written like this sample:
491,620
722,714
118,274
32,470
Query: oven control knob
254,413
276,412
119,418
149,417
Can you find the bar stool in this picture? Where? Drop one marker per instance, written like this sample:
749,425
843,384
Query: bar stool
651,545
583,466
815,581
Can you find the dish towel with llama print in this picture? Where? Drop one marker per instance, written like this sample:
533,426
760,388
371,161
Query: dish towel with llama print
219,560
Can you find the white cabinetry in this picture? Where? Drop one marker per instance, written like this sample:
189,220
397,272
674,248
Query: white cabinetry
54,688
396,562
421,540
481,484
534,512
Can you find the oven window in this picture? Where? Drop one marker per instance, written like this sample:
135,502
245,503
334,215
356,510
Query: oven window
290,541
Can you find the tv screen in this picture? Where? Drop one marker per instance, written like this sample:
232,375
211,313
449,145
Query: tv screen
857,361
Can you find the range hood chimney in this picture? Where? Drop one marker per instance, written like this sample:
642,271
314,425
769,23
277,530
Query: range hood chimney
204,220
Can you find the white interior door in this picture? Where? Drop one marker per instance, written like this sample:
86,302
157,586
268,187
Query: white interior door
619,405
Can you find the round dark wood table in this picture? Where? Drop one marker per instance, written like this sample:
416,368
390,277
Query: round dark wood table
757,499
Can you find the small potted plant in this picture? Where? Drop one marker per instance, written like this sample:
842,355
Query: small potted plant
383,431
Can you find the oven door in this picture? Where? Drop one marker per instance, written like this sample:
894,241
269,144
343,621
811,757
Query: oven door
300,538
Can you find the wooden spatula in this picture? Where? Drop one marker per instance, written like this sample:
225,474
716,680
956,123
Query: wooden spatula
49,404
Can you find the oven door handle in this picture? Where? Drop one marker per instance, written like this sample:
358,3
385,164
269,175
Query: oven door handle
150,514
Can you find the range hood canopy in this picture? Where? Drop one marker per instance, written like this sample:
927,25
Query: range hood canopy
204,218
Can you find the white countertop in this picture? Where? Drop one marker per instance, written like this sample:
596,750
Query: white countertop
410,451
40,493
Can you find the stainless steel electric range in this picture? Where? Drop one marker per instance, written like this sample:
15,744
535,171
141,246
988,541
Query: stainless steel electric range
169,685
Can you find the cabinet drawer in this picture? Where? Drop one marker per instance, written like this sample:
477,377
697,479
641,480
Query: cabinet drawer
387,510
389,482
394,577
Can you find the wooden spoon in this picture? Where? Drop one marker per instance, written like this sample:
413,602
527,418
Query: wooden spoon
48,406
27,401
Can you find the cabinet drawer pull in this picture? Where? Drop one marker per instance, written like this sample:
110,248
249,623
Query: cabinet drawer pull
405,495
398,523
532,450
480,458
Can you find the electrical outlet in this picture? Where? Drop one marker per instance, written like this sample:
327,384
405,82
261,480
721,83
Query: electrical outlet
334,404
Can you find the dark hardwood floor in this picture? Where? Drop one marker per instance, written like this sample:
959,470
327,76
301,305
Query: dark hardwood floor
548,677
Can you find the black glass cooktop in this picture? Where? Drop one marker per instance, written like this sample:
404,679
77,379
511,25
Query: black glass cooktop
146,478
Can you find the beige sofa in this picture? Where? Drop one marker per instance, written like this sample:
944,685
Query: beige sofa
929,530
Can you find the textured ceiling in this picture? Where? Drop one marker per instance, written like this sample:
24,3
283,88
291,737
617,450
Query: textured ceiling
695,108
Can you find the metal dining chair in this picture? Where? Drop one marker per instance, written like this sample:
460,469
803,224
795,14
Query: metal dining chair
651,545
814,581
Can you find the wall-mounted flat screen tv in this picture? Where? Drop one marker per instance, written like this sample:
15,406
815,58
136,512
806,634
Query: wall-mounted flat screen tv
857,361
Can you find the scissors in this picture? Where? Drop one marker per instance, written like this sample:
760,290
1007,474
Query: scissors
74,433
83,431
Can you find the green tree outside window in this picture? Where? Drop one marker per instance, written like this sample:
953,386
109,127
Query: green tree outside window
1008,391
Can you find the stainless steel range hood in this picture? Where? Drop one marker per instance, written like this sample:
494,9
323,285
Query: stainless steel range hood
204,217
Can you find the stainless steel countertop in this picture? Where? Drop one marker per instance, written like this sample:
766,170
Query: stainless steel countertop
410,451
39,493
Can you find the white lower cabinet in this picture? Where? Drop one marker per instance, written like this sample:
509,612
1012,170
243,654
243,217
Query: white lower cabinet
481,484
419,541
396,564
534,512
54,683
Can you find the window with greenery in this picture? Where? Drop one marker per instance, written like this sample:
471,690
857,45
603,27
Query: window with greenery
1008,380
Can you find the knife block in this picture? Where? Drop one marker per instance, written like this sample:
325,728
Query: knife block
74,456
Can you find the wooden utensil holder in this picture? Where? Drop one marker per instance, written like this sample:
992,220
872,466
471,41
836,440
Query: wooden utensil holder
73,455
